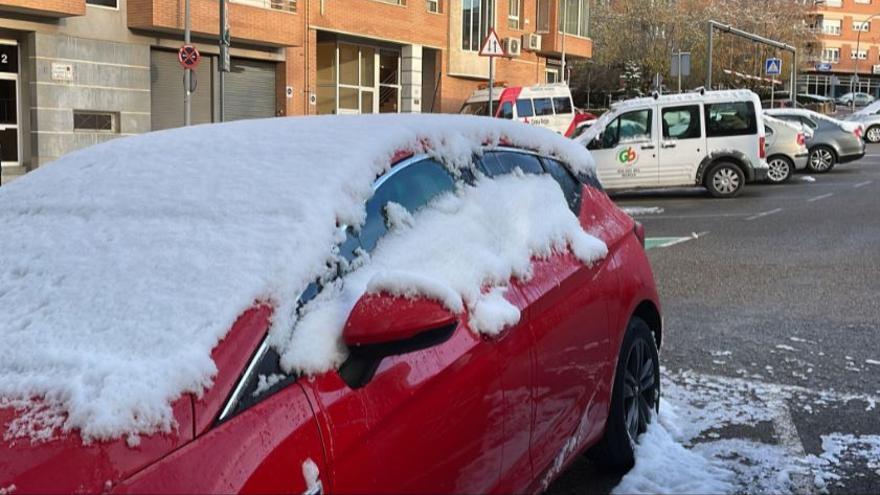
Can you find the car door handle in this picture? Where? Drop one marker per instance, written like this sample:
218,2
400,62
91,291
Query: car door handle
647,146
668,145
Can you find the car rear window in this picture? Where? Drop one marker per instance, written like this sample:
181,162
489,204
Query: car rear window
562,104
731,119
524,108
505,162
543,106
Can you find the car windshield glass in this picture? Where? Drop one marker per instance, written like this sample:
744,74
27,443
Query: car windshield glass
475,108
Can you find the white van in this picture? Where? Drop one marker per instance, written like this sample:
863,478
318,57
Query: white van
709,138
546,105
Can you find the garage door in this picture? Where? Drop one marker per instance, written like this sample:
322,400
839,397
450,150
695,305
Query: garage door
250,90
166,91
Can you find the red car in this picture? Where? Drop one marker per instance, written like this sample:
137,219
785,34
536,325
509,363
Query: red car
422,404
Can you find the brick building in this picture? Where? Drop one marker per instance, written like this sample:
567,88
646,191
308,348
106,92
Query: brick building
78,72
842,26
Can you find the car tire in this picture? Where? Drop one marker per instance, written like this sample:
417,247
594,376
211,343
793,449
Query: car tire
872,135
781,169
822,160
725,180
633,404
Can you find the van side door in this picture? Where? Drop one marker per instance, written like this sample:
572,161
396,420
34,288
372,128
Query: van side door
682,144
626,150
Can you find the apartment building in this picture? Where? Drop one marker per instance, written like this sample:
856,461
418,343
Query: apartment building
77,72
849,34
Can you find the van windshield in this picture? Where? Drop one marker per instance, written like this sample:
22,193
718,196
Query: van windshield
475,108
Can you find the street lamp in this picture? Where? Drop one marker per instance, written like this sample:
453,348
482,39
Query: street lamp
856,69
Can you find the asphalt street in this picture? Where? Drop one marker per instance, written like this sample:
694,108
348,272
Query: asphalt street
775,291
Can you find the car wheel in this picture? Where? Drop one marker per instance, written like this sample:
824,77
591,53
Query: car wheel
822,159
781,169
635,398
725,180
873,134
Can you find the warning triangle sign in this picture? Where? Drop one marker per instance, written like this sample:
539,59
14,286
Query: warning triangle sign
492,45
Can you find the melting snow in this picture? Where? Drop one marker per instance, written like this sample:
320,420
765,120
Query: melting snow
642,210
121,268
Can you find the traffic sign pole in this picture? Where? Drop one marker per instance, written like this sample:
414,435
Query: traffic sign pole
491,84
187,75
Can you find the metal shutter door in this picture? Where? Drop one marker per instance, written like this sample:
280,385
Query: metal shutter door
166,91
250,90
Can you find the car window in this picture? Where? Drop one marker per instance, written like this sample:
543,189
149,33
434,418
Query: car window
498,163
506,110
543,106
571,187
768,131
731,119
630,126
524,108
411,187
562,104
681,122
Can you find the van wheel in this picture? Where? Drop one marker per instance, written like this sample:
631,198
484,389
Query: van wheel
822,159
635,398
781,169
725,180
873,134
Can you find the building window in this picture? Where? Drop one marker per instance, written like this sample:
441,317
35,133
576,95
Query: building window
858,54
357,79
434,6
831,55
861,26
574,17
284,5
833,3
831,26
514,14
476,18
104,122
113,4
551,75
542,21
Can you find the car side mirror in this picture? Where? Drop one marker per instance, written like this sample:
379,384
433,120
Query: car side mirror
383,325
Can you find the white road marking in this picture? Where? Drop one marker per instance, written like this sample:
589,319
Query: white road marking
763,214
862,184
817,198
786,432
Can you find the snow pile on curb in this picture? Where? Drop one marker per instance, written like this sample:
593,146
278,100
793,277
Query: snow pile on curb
461,251
123,265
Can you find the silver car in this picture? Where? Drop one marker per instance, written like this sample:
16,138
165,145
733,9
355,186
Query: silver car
869,118
786,149
833,141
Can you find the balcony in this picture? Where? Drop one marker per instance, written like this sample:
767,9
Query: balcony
47,8
273,23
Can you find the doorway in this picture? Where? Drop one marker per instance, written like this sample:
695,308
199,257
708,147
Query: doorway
10,138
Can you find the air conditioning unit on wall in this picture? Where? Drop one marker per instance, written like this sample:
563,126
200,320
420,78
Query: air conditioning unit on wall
512,47
532,42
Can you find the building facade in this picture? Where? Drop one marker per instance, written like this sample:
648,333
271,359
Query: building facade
78,72
849,34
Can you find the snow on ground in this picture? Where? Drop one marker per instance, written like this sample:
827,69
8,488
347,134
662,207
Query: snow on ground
123,265
499,225
684,451
642,210
807,178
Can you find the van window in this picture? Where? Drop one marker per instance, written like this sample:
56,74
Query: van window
731,119
524,108
562,104
630,126
475,108
681,122
506,110
543,106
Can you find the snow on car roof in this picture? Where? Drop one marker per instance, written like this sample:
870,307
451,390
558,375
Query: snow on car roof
802,112
123,265
869,109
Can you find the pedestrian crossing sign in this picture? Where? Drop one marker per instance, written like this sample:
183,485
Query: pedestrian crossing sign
773,66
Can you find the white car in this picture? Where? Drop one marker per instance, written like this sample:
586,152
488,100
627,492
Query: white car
708,138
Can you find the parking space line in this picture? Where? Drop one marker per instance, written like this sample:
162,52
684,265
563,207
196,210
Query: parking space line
763,214
820,197
862,184
788,436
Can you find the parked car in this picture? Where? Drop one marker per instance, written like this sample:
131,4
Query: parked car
860,99
833,141
403,371
869,119
816,103
545,105
713,139
786,149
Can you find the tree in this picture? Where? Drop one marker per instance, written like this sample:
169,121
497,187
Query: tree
644,34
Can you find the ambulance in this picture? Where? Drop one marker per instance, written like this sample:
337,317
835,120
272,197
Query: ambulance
547,105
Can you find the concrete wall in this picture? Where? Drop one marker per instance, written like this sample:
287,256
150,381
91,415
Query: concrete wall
107,76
